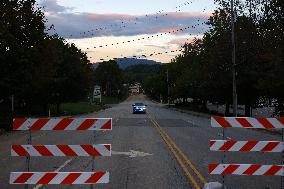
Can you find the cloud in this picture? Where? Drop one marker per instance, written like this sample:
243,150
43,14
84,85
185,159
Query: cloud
85,25
157,46
106,17
53,6
179,41
182,41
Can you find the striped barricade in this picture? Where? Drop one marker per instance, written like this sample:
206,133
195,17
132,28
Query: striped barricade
248,122
246,169
57,124
246,146
64,178
61,150
60,124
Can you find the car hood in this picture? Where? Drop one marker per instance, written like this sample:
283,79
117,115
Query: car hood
139,106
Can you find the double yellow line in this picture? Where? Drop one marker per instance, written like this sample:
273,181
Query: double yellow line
181,158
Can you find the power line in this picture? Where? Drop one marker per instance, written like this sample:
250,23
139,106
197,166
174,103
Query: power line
135,20
140,56
149,37
143,55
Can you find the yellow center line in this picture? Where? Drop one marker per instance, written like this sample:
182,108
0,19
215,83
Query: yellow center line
169,141
203,180
189,176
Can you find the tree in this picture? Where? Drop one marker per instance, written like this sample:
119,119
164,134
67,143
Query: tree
73,77
204,70
37,69
109,76
21,33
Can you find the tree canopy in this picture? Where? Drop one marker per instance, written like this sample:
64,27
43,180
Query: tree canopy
37,69
204,70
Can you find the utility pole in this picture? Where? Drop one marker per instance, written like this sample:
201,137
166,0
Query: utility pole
168,87
233,20
12,104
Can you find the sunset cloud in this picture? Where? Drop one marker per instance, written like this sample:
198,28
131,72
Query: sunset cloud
70,24
94,31
182,41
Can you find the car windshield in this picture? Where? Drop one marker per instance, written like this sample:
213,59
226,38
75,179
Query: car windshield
139,104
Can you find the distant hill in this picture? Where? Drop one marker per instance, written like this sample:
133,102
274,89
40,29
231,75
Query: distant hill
126,62
144,68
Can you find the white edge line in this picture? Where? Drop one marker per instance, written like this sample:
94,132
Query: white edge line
57,170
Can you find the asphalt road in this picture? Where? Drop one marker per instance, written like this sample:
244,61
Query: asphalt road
152,141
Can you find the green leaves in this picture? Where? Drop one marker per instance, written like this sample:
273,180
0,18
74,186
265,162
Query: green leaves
109,76
36,68
204,70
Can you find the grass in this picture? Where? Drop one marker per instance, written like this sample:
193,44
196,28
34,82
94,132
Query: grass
85,107
66,109
110,100
79,108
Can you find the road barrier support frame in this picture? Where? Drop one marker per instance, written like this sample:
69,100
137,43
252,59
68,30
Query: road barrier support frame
29,128
224,157
28,158
93,158
249,122
282,178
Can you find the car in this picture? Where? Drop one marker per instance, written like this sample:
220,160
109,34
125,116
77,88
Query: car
139,108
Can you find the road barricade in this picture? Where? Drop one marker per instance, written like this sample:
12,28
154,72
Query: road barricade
247,146
64,178
62,150
246,169
248,122
57,124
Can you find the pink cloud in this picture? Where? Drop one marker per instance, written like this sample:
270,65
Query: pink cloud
163,30
184,15
182,41
99,17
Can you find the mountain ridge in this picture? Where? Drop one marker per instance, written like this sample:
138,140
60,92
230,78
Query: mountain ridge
123,63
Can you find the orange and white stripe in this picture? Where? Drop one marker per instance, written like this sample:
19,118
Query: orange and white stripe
61,150
246,169
246,146
58,124
248,122
59,178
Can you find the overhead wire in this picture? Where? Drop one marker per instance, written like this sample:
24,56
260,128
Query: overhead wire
123,23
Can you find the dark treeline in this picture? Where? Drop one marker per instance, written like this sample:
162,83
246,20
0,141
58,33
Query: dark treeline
115,81
37,69
139,73
204,71
109,76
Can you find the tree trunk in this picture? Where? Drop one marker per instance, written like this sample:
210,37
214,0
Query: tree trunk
204,105
227,109
58,108
247,110
45,108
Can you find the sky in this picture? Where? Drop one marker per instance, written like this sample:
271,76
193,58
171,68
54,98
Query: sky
107,29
